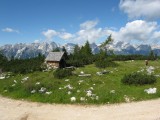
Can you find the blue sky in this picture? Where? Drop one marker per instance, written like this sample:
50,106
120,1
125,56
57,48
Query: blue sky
63,21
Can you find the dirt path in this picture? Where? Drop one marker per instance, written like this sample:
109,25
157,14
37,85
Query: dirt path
22,110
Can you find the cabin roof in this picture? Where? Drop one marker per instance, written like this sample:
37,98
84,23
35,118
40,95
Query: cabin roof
54,56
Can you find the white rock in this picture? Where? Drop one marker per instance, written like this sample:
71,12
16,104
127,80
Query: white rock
81,72
80,81
97,97
150,69
15,81
13,85
126,98
69,92
157,75
33,91
73,99
91,88
2,78
60,88
38,83
151,90
68,86
89,93
112,91
82,99
48,93
42,90
111,71
25,79
99,73
5,90
78,91
67,80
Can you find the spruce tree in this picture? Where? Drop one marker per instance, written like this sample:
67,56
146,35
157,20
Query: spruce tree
87,49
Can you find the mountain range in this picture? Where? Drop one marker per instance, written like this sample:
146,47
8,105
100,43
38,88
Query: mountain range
22,51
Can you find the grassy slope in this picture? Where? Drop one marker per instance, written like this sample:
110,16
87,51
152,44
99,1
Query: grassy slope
102,85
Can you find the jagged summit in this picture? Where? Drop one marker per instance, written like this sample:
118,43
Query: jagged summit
23,50
27,50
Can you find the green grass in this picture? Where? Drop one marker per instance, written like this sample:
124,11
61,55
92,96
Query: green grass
102,85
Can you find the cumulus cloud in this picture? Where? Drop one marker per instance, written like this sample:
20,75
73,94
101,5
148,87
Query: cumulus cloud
49,34
141,8
66,36
90,24
10,30
138,30
88,31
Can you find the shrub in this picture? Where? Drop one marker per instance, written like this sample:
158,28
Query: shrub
138,79
62,73
105,63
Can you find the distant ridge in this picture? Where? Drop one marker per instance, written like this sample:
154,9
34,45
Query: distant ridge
23,51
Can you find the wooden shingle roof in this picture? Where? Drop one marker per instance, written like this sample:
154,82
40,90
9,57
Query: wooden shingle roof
54,56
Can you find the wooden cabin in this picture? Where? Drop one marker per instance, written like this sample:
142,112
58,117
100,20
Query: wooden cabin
55,59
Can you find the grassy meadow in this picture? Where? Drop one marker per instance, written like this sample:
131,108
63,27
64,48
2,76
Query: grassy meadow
105,89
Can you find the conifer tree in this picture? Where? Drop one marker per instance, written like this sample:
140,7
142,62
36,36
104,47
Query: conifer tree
87,49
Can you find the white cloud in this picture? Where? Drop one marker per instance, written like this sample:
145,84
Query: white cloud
88,31
49,34
156,35
141,8
66,36
9,30
91,35
89,24
138,30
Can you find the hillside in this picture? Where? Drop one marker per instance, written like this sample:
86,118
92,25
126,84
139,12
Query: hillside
104,89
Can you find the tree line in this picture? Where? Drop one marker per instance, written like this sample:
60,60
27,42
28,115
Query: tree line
21,66
80,57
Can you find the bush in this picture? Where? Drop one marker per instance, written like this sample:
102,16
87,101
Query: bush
105,63
62,73
75,63
138,79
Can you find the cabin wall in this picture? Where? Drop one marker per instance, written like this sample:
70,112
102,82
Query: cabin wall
53,63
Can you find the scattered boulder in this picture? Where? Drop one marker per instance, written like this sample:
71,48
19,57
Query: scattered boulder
151,91
112,91
2,77
42,90
48,93
82,99
73,99
33,91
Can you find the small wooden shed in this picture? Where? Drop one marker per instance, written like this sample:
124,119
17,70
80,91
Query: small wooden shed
55,59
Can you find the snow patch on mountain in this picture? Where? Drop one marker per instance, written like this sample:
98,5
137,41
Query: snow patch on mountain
32,50
27,50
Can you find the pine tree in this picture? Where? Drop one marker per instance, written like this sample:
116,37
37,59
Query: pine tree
109,40
87,49
76,50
